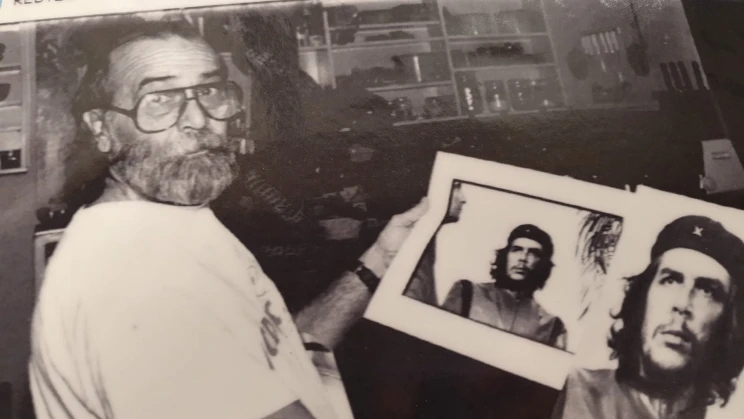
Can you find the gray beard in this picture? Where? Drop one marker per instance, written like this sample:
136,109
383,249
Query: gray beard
179,179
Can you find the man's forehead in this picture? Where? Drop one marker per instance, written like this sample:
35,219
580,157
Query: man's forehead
179,60
692,263
527,243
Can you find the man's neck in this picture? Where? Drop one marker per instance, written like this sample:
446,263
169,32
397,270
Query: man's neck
517,289
116,191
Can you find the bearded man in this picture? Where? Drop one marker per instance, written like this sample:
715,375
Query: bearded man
150,308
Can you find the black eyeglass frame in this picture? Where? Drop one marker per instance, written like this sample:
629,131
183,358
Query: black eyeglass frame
132,113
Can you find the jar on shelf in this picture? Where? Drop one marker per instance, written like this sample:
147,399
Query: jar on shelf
496,96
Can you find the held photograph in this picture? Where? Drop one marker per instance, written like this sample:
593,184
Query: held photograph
666,339
511,265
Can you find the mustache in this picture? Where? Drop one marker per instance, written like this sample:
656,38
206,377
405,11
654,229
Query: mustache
683,332
207,140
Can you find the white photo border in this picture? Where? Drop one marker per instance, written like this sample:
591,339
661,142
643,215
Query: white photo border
393,309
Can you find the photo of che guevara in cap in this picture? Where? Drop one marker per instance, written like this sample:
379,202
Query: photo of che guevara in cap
519,264
678,337
507,303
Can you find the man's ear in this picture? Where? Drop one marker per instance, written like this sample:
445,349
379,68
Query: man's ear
94,121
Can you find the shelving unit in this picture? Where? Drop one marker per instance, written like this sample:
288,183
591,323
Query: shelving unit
495,67
384,26
17,97
345,49
421,85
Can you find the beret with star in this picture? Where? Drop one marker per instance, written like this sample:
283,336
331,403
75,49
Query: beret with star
704,235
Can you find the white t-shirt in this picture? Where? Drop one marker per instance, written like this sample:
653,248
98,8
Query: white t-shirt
157,311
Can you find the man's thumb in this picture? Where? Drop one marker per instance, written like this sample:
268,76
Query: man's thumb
412,215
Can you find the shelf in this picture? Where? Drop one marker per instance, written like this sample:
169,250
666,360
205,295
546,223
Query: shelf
390,43
11,129
515,112
314,49
462,39
10,104
13,171
496,67
479,116
383,26
410,86
10,67
427,121
625,106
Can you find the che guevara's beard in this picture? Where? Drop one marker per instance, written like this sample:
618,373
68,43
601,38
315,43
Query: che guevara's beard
666,382
525,286
659,382
184,179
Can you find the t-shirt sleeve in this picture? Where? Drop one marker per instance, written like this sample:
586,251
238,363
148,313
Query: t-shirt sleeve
170,357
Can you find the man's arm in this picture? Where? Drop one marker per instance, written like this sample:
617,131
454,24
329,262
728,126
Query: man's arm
331,315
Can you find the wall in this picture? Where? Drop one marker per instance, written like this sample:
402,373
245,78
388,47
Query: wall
17,221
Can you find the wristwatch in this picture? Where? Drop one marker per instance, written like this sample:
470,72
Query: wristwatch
365,275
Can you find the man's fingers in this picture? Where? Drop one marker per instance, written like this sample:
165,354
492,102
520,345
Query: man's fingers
412,215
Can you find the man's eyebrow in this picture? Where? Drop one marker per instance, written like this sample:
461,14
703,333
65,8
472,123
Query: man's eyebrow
669,271
148,80
714,282
214,73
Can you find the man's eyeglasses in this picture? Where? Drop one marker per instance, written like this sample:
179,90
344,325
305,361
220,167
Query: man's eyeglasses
158,111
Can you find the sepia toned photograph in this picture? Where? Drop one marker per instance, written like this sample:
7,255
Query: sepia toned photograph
337,209
511,262
667,336
508,257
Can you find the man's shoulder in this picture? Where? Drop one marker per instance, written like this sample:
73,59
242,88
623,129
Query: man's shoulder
133,243
545,315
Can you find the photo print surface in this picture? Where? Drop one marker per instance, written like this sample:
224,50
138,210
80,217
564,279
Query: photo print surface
517,263
505,262
666,335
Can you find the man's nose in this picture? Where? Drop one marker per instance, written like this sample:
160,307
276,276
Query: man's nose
682,302
193,116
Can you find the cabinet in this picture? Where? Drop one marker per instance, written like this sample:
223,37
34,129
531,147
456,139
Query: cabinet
435,60
17,96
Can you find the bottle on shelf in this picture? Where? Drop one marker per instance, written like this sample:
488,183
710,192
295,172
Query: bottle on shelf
496,97
471,101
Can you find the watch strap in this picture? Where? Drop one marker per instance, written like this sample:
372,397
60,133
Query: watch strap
365,275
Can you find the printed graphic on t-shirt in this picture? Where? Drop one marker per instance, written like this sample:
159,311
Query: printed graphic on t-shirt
271,333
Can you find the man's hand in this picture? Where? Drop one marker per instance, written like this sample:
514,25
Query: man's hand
378,257
331,314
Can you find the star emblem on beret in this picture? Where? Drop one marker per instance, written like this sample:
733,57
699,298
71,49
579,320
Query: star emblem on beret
698,231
